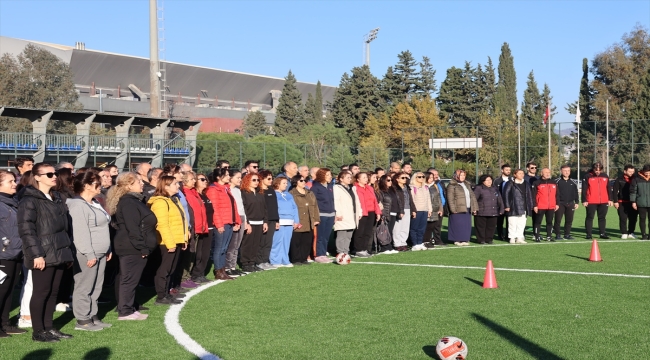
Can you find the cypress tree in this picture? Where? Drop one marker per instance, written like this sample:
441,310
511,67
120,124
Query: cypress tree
389,90
289,114
311,110
452,100
318,106
505,100
531,107
405,74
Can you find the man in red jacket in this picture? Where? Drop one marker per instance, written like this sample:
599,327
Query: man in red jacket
544,204
596,197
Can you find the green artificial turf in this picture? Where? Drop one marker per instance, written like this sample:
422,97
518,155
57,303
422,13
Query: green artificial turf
370,311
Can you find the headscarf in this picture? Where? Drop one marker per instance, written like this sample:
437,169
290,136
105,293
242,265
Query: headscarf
457,174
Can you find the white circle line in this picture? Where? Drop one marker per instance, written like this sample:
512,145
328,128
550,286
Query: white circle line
507,269
175,329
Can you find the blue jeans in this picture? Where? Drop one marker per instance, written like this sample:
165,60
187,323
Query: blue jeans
220,246
418,225
281,242
324,231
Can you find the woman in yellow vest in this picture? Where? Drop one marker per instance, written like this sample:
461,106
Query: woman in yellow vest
173,236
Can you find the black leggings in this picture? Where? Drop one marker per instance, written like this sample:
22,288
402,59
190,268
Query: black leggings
12,269
46,288
166,270
250,245
203,245
363,235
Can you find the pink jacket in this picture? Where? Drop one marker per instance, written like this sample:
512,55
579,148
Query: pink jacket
367,199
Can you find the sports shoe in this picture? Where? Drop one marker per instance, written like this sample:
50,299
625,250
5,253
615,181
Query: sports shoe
24,323
189,284
513,241
63,307
550,238
624,236
231,273
418,248
167,300
558,237
59,335
134,316
605,237
13,330
568,237
176,294
267,266
402,249
322,260
429,245
289,265
631,236
87,325
142,316
537,239
362,254
98,322
520,241
44,336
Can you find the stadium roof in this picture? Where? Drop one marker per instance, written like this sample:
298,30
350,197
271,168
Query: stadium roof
108,70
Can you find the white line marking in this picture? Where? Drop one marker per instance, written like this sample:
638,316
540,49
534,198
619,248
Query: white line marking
506,269
175,329
531,242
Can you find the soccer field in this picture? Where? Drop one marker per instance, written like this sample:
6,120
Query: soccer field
551,304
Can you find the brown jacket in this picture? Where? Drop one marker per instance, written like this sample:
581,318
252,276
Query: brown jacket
307,209
456,198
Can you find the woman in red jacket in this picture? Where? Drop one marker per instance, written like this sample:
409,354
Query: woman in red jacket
370,214
226,220
200,224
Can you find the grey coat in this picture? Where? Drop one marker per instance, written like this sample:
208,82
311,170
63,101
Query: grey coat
436,203
90,234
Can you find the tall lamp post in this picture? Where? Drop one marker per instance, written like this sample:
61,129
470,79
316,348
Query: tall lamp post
367,39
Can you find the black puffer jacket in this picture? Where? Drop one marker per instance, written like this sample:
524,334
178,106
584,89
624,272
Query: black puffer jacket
43,228
9,228
397,193
489,201
519,203
386,202
136,227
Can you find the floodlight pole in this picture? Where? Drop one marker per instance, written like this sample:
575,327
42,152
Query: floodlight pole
154,81
367,39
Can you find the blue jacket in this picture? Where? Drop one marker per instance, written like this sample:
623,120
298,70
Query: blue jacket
9,229
287,207
324,197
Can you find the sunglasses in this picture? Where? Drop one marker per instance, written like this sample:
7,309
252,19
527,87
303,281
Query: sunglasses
420,177
301,180
533,167
203,179
255,180
49,175
389,180
225,167
269,178
255,167
403,178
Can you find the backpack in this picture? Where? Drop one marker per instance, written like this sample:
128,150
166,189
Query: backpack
383,233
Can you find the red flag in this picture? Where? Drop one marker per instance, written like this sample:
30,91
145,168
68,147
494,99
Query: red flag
547,114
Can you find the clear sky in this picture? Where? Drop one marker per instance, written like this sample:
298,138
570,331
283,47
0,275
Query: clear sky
320,40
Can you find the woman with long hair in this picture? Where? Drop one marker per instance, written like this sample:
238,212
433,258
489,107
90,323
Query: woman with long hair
348,211
11,256
25,318
203,240
256,222
135,239
173,235
423,210
323,190
308,216
289,221
370,214
64,184
462,204
490,207
434,221
405,210
273,217
237,236
389,210
226,220
92,244
43,228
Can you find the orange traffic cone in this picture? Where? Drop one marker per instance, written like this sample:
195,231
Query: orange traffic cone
489,281
595,252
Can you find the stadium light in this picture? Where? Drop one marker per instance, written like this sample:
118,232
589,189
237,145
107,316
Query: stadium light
367,39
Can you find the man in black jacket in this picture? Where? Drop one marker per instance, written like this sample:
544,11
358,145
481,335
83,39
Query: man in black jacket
568,202
627,215
500,183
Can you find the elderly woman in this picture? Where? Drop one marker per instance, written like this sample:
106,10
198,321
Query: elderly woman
203,222
289,221
308,214
490,207
423,209
462,204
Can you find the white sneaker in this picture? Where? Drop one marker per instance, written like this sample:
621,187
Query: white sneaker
417,248
513,240
520,241
288,265
624,236
63,307
392,252
24,323
631,236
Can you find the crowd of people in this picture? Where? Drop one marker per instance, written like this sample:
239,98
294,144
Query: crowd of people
63,228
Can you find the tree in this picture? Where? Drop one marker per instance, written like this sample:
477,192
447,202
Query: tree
356,98
37,79
289,114
389,91
587,124
426,82
255,124
451,100
318,106
325,145
505,98
634,136
405,74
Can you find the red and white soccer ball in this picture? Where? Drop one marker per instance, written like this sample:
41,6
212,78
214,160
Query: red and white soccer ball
451,348
343,259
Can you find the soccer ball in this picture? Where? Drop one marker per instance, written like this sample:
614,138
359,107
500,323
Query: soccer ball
343,259
451,348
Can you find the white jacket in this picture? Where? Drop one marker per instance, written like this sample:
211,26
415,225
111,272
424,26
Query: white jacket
343,207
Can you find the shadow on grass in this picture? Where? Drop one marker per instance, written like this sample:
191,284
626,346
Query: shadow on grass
101,353
479,283
578,257
42,354
535,351
430,350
